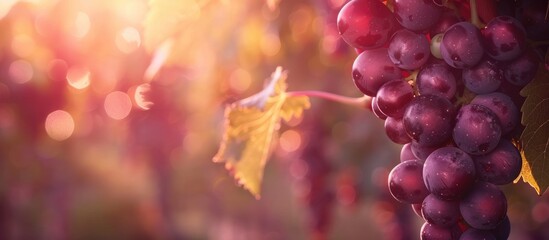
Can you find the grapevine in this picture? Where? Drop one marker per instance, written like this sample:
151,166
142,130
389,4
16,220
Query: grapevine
446,79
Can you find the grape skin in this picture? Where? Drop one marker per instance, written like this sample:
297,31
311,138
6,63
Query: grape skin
395,130
447,19
433,232
376,111
501,166
485,77
505,38
501,105
406,153
372,69
440,212
406,182
422,152
429,119
437,79
449,173
393,97
366,24
409,50
416,15
522,70
462,45
477,130
484,207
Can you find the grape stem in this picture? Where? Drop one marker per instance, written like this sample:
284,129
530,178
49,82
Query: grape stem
361,102
475,20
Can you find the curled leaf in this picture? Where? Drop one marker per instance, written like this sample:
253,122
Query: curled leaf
251,125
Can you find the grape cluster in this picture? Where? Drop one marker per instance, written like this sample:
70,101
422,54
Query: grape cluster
448,91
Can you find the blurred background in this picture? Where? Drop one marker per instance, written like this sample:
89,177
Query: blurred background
111,112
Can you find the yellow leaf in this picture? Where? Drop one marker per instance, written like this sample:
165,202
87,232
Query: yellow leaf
251,125
526,174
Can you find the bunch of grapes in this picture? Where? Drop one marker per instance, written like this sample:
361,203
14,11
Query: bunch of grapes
448,91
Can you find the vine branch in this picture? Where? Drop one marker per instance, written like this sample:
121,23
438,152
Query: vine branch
362,102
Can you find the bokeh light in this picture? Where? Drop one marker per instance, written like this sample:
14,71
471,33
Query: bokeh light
141,96
290,140
78,77
81,25
21,71
59,125
128,40
117,105
270,44
240,80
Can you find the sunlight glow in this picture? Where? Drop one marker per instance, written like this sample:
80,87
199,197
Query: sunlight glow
59,125
81,25
78,77
21,71
270,44
140,96
118,105
240,80
128,40
23,45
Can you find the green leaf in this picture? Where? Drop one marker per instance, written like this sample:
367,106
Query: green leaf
250,127
534,141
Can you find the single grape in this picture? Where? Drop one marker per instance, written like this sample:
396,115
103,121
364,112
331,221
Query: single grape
376,111
372,69
485,77
393,97
429,119
408,50
437,79
436,41
504,38
416,15
462,45
501,166
477,234
449,173
522,70
484,207
433,232
477,130
440,212
366,24
502,105
395,130
406,153
406,182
